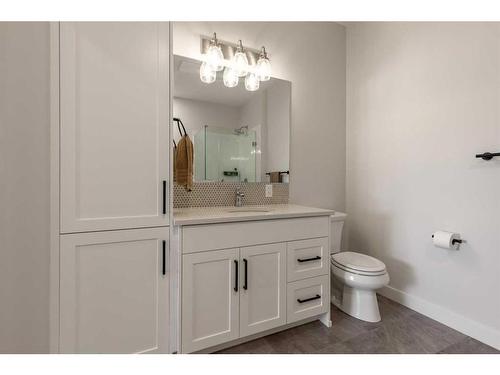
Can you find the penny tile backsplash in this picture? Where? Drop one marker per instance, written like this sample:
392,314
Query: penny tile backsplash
210,194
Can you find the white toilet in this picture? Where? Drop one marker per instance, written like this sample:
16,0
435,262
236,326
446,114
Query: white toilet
355,277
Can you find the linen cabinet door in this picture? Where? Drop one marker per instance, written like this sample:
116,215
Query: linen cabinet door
210,305
263,288
114,292
114,125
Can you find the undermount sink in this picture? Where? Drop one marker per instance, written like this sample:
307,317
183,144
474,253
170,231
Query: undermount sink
237,210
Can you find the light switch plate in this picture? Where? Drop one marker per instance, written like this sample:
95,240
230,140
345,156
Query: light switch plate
269,191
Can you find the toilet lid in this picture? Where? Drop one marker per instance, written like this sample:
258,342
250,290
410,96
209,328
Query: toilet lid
358,262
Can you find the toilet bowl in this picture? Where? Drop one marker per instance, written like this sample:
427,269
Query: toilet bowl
358,277
355,277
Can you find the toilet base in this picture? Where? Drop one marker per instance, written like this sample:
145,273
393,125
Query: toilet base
358,303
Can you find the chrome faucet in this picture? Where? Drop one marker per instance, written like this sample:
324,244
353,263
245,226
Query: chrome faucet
239,198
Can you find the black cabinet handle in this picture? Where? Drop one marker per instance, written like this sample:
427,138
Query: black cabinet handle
235,275
164,197
488,155
308,299
308,259
164,267
245,283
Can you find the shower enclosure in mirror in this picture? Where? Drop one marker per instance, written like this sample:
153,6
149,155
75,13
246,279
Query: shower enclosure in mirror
238,135
223,154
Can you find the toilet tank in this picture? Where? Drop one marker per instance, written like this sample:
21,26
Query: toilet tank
336,226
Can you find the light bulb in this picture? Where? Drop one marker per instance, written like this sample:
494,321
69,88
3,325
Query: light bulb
252,82
263,69
230,78
214,56
207,74
240,61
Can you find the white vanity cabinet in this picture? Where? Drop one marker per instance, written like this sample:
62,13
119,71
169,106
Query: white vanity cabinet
114,288
243,279
114,125
232,293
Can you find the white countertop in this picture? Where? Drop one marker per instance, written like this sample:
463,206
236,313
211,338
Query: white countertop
226,214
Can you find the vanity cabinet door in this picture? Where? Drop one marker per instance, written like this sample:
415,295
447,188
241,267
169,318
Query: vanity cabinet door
210,303
113,292
114,125
263,288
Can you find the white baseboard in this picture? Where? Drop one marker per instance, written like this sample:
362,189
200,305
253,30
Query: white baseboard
478,331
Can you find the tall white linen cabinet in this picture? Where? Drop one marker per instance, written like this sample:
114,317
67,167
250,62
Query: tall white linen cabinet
111,186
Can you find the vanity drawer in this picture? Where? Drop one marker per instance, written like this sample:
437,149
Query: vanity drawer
307,258
307,298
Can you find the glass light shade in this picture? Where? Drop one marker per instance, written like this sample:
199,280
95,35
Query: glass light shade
240,63
263,69
207,74
230,77
215,58
252,82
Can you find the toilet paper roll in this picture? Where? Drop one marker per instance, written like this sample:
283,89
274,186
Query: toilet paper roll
445,240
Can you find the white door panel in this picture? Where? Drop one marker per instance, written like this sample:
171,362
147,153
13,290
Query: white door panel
263,288
113,293
210,305
114,79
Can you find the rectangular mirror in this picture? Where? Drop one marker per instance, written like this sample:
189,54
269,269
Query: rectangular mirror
238,135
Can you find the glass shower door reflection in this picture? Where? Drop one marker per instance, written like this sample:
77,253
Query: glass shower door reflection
225,155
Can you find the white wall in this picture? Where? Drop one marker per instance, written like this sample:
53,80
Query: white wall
422,99
312,56
24,187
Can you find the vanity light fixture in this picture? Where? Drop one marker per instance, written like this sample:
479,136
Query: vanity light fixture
240,61
207,74
214,56
263,69
236,62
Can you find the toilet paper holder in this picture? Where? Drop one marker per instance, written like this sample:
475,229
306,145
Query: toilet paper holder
454,241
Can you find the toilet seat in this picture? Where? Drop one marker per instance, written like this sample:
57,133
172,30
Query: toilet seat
358,263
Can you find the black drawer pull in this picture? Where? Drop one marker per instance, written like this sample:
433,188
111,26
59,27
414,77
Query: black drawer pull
164,266
235,275
308,299
308,259
245,280
164,208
